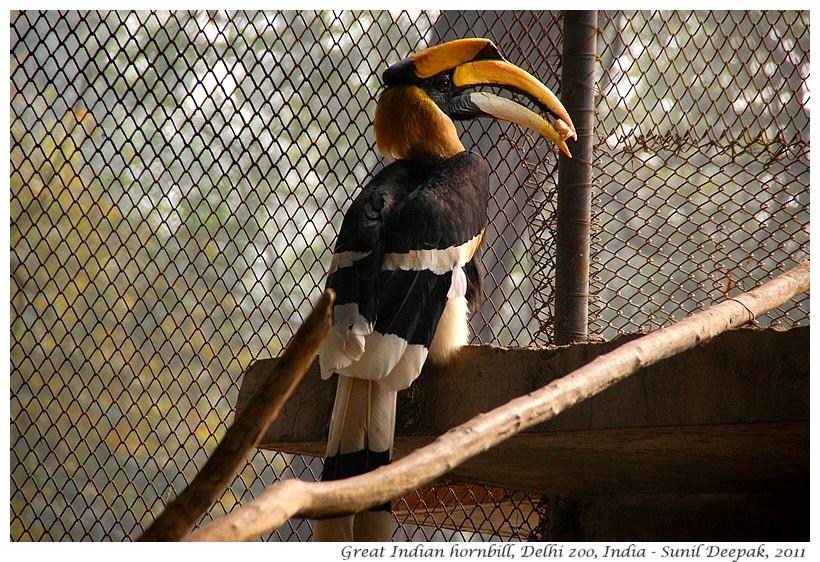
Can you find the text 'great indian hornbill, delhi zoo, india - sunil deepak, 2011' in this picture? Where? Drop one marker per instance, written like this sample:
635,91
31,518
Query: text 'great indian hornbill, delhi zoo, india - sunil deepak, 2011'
406,268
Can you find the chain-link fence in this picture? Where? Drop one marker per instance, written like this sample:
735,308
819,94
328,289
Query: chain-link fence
177,181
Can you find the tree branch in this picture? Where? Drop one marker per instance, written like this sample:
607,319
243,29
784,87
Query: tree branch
293,498
244,435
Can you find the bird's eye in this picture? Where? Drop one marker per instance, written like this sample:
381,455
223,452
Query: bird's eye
443,83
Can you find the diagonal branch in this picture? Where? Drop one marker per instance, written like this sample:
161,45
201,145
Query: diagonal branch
243,436
292,498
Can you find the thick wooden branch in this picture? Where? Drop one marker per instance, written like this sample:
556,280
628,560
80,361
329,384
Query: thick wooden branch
293,498
243,436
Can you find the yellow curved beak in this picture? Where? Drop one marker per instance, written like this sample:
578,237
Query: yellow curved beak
507,75
477,62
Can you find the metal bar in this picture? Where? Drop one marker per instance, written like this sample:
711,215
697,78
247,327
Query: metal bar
575,179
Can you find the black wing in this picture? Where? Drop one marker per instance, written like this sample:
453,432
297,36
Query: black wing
401,256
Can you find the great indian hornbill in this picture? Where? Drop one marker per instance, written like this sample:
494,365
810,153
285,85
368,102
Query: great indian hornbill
406,267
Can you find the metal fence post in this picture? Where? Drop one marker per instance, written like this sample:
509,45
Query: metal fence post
573,212
575,179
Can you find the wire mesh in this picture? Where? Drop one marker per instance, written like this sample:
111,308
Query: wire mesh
702,167
177,179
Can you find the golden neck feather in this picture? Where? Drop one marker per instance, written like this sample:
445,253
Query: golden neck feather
409,125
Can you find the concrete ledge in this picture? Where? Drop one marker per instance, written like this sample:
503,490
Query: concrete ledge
740,401
730,417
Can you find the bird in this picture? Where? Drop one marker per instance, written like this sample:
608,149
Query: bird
406,267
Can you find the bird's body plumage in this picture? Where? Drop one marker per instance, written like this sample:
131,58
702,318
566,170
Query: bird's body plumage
404,244
405,272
